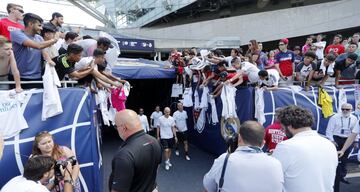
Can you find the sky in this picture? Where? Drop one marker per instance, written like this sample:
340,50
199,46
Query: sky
71,13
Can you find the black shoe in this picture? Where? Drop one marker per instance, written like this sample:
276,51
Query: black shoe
344,181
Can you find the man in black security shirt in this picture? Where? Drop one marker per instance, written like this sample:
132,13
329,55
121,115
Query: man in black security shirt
65,63
134,166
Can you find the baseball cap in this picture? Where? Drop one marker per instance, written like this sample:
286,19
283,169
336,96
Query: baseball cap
104,41
285,41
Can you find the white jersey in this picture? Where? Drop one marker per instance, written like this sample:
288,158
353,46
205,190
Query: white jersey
155,117
21,184
165,125
11,117
180,120
188,97
144,123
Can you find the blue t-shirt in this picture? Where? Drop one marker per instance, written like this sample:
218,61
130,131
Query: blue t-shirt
28,59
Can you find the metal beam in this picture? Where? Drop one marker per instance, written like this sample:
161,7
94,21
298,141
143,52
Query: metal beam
85,6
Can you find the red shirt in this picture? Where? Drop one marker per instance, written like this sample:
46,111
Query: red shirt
285,61
6,26
337,49
274,135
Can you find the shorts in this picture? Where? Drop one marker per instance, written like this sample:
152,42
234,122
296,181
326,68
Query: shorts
182,136
167,143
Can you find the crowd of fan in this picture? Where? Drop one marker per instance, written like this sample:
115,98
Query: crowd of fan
37,44
313,64
28,49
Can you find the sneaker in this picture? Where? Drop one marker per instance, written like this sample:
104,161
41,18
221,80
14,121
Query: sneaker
167,167
187,157
177,153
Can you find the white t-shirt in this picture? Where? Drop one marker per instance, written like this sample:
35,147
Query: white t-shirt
83,63
228,59
166,125
89,45
180,120
309,162
251,71
21,184
320,52
273,78
144,122
155,116
246,172
52,51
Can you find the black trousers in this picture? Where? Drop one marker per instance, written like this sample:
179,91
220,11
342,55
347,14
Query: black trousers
341,168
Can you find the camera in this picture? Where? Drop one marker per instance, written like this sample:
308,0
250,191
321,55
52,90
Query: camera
63,163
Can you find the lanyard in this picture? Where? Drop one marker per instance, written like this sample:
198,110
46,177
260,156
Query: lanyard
342,125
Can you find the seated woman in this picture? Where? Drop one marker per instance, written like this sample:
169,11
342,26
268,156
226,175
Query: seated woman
44,145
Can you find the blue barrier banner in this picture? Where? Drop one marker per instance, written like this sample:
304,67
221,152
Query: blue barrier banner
287,96
136,44
210,139
74,128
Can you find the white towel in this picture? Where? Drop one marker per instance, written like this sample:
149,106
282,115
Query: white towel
196,99
259,106
204,98
51,98
103,101
214,115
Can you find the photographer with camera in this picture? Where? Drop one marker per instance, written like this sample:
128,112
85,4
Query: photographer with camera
247,166
44,145
39,169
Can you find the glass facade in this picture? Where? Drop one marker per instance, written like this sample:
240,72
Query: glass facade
137,13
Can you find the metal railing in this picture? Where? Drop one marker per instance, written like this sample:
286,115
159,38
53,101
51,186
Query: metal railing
63,83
